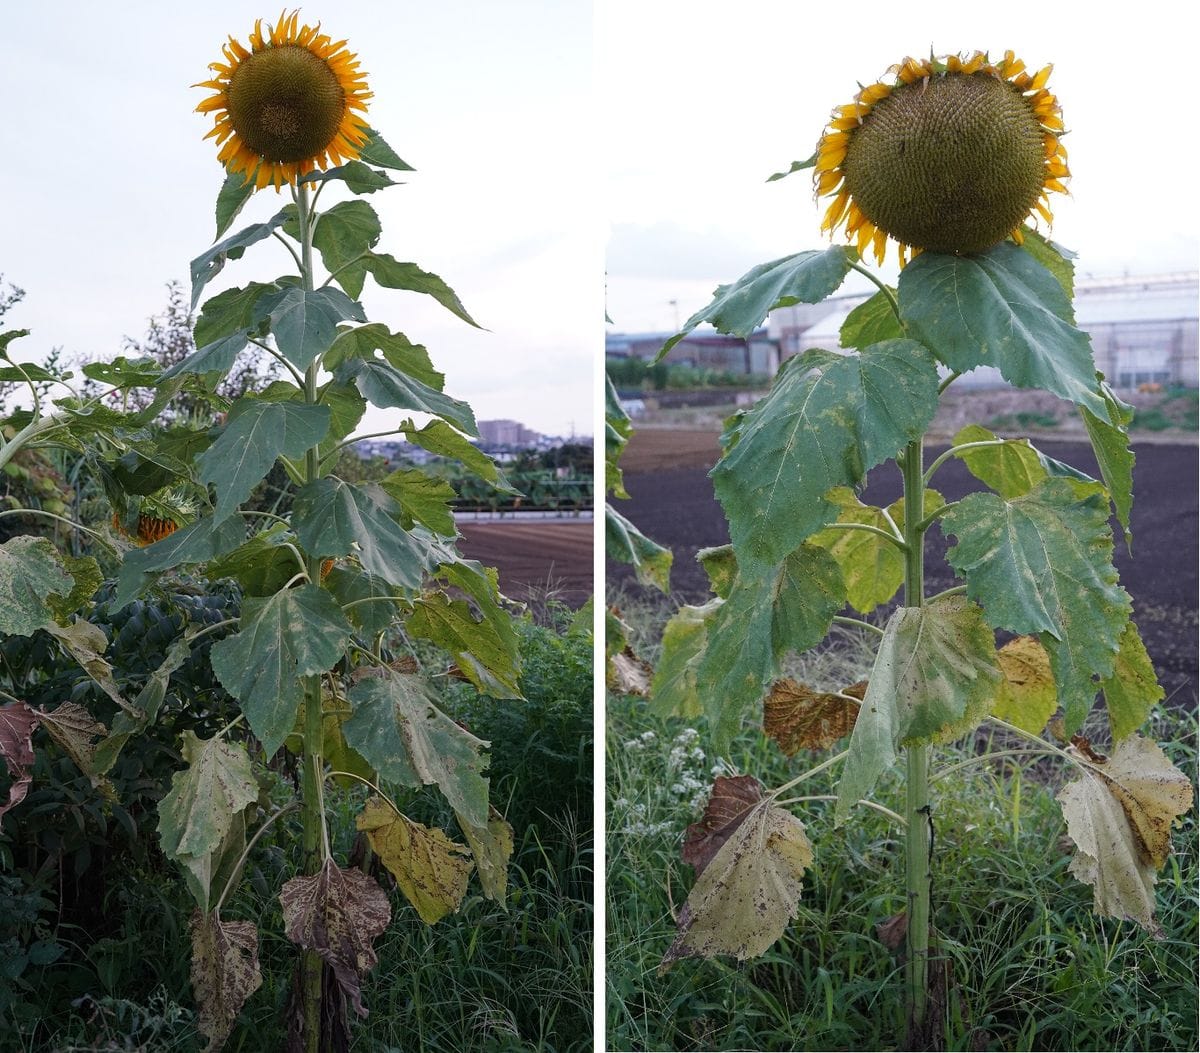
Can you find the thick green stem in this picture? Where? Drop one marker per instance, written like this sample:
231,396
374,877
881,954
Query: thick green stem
916,813
312,785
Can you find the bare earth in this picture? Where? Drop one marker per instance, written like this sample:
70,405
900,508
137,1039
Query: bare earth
666,474
536,559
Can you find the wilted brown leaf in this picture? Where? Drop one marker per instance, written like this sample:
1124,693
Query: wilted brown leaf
17,721
225,972
337,913
799,718
431,870
74,729
893,930
729,802
750,890
628,674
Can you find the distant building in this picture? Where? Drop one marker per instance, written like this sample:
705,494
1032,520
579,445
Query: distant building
709,350
507,433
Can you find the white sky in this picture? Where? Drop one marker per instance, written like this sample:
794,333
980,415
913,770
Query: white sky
701,101
108,188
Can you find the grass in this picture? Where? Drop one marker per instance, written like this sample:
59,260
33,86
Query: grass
1033,967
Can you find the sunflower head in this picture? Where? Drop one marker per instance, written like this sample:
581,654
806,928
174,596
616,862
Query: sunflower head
946,154
288,104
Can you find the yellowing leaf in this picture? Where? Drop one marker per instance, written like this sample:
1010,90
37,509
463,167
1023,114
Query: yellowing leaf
1133,688
1119,815
744,898
1027,696
799,718
86,643
492,847
431,870
337,913
72,727
673,690
225,972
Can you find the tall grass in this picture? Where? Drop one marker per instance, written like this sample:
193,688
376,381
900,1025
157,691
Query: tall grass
1032,967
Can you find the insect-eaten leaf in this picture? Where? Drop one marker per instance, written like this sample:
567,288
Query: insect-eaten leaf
17,721
492,847
743,900
1119,815
225,973
337,913
799,717
1027,696
431,870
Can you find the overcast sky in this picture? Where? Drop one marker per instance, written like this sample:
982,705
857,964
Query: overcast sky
701,101
108,188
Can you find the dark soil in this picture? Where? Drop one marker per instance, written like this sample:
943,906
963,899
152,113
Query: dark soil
675,506
538,560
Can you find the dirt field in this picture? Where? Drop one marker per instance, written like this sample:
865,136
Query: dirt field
535,558
666,474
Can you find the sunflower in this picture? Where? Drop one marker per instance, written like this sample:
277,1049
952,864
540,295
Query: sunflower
947,154
286,105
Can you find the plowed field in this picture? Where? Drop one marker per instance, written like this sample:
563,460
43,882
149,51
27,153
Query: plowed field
536,558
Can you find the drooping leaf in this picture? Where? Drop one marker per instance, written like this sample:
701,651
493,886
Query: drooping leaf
86,643
88,577
1042,563
624,542
385,386
422,499
364,340
343,233
1001,308
17,721
871,322
1133,688
75,730
492,847
1027,696
484,652
304,321
196,814
934,677
30,571
337,913
730,801
740,308
827,420
790,609
673,691
431,870
872,566
261,566
198,542
208,264
798,717
294,633
617,429
1054,258
256,434
225,973
206,876
334,518
745,897
1119,815
399,728
225,314
439,438
1110,444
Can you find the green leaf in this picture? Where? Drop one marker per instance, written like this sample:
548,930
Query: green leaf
624,542
617,429
1011,470
796,166
871,322
386,387
1054,258
439,438
124,372
231,199
348,584
375,151
482,652
364,340
31,570
872,567
495,653
256,434
334,518
392,274
1110,444
674,691
492,847
828,419
8,337
1133,688
261,566
343,234
88,578
208,264
24,372
789,609
1002,309
198,812
934,677
217,357
422,499
358,177
740,308
399,728
227,312
1042,563
304,322
294,633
